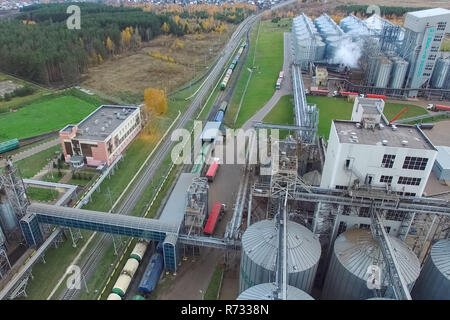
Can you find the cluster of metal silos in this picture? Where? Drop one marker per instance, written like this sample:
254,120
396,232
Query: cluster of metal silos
354,252
441,74
354,27
259,257
307,42
386,70
331,33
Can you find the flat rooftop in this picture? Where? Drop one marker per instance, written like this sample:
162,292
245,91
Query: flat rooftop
173,211
370,105
347,131
103,121
429,12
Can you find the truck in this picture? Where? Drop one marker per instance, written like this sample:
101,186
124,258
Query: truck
216,212
344,93
437,107
212,170
317,92
376,96
278,84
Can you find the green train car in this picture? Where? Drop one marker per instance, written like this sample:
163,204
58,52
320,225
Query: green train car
9,145
201,158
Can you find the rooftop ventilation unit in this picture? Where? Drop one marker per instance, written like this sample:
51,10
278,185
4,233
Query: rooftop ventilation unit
394,127
358,125
381,126
404,142
96,121
384,142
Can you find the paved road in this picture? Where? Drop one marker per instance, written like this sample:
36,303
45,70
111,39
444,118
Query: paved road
31,151
286,87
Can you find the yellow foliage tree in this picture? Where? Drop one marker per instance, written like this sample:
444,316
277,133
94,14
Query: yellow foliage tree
100,59
109,45
176,19
155,101
165,27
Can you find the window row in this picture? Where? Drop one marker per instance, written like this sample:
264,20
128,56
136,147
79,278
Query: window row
413,163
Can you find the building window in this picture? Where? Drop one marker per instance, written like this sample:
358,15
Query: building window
409,181
388,161
386,179
409,194
369,179
341,187
415,163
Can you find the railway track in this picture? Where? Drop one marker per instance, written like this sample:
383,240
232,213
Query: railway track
91,261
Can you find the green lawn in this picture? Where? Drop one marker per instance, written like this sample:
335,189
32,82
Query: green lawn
45,116
35,163
214,284
268,63
341,109
282,113
42,194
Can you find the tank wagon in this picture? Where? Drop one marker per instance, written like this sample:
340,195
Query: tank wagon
9,145
434,279
266,291
152,274
128,271
354,252
260,250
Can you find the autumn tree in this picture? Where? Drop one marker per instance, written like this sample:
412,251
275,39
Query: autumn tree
165,27
155,101
109,45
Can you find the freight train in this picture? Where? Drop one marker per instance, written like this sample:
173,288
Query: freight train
9,145
152,274
128,271
232,66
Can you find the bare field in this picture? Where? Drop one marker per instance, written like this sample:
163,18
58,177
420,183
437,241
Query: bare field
130,74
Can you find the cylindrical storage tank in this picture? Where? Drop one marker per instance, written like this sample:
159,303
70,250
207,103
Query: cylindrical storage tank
8,218
260,249
384,72
434,279
121,285
130,267
398,73
354,251
440,73
139,250
114,296
266,291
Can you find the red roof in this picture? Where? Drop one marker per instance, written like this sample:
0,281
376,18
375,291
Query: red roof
212,169
213,215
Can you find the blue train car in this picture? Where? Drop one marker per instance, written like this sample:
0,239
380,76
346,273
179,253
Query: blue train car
152,274
219,116
159,247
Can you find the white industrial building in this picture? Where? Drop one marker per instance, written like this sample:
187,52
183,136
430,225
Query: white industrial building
425,31
366,151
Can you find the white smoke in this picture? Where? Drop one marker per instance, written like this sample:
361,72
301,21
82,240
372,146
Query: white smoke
347,54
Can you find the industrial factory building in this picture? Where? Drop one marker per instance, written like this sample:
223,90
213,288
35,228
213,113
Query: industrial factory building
101,137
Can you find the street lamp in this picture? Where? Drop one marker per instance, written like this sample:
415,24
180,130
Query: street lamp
202,293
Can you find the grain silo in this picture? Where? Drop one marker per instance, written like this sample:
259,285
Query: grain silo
398,74
354,251
267,291
384,67
434,279
8,219
441,74
260,250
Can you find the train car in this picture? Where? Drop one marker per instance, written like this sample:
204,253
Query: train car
152,274
212,220
114,296
240,51
201,158
159,247
9,145
376,96
244,44
223,106
229,72
138,297
219,116
139,250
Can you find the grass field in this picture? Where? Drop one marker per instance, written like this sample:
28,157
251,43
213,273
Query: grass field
42,194
42,117
282,113
32,165
268,63
341,109
214,284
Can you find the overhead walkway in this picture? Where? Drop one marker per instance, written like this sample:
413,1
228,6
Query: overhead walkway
103,222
